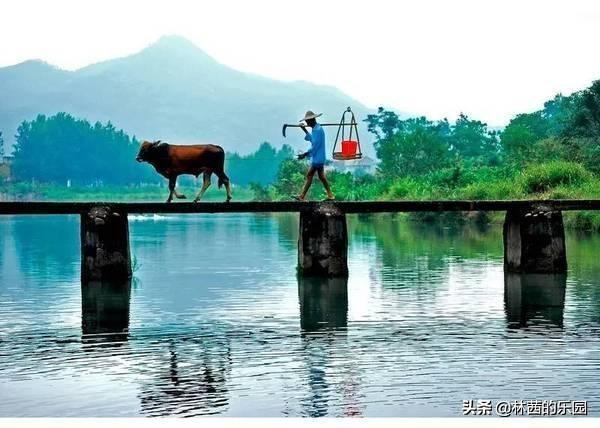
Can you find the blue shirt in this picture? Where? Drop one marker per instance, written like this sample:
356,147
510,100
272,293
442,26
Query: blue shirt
317,141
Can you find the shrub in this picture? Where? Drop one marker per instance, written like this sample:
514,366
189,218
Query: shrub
543,177
490,190
405,188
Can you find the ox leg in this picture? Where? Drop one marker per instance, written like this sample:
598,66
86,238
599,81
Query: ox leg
172,191
172,181
175,192
205,185
223,179
228,188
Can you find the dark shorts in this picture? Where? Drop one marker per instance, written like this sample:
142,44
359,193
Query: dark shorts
317,167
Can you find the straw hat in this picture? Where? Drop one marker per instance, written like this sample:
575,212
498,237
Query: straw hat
310,115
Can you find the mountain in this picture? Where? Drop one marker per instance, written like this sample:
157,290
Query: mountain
171,90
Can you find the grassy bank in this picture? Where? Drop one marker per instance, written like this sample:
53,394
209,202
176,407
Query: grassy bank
149,193
551,180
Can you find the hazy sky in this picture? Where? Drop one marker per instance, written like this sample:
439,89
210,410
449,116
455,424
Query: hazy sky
487,58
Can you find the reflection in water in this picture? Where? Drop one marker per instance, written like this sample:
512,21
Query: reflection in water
105,310
323,303
215,328
534,299
189,379
323,322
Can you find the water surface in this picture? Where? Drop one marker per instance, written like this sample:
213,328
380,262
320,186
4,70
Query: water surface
216,322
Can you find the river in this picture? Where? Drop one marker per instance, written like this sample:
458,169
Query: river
216,322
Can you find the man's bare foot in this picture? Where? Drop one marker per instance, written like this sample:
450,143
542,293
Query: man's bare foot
298,198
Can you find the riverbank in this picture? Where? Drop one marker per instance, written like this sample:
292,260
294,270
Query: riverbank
148,193
551,180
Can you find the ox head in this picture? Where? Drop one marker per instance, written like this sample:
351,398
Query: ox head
146,148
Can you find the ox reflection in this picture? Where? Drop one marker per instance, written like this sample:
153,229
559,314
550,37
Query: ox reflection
532,299
189,378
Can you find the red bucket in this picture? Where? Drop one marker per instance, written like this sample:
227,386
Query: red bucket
349,147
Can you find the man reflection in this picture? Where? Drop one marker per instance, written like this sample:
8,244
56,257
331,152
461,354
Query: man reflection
193,380
531,299
105,311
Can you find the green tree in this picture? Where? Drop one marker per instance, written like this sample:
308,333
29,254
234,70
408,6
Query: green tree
472,139
417,146
581,134
259,167
290,178
4,169
61,148
384,124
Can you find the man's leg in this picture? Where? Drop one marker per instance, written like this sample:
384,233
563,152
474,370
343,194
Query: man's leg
321,172
308,182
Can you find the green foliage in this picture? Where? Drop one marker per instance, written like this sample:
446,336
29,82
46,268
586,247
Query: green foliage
585,120
489,190
260,192
4,168
60,148
351,187
259,167
290,178
542,177
406,188
419,146
385,124
471,139
147,192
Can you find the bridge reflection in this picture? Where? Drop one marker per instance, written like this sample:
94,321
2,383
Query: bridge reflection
531,299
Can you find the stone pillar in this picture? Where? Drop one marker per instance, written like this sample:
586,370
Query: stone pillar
323,242
534,241
105,245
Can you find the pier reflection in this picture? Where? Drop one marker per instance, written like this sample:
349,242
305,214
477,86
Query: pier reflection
323,324
105,311
531,299
323,303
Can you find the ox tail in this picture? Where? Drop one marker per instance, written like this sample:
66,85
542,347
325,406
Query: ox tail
223,179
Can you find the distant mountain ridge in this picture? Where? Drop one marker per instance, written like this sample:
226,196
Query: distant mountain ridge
171,90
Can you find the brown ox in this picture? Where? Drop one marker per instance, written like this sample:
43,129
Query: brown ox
171,161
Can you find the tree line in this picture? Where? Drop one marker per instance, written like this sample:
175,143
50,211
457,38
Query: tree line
550,153
59,148
62,148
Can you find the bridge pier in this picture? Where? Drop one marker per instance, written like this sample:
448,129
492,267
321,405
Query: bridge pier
323,242
105,244
534,241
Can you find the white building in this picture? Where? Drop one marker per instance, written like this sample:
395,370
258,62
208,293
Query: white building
365,165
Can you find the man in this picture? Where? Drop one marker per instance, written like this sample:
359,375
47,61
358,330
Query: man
316,154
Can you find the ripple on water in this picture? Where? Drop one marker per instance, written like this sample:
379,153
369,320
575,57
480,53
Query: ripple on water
216,322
